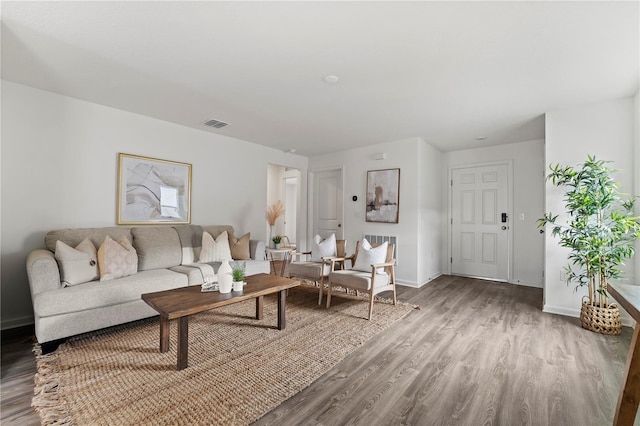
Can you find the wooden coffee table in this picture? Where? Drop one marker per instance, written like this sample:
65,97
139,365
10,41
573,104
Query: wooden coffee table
181,302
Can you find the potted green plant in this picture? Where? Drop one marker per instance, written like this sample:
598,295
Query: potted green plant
238,277
276,241
600,231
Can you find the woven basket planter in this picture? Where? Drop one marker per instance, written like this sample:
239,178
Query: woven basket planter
601,320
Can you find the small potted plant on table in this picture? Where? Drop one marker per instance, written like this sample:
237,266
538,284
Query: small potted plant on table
238,277
276,241
600,231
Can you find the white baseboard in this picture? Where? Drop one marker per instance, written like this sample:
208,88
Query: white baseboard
10,323
414,284
625,318
411,284
560,310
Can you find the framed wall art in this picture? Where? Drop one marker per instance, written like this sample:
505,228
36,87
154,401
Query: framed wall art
153,191
383,195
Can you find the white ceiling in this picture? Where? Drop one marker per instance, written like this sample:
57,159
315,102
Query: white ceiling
447,72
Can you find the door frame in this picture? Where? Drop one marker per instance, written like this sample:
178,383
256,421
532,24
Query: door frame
311,198
509,164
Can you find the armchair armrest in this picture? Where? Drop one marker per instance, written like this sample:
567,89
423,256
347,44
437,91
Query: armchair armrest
391,264
380,265
299,254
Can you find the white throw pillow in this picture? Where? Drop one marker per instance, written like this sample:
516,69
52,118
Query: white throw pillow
214,250
326,248
117,259
368,256
77,265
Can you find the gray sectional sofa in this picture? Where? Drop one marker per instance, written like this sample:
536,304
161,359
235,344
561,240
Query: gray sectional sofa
165,261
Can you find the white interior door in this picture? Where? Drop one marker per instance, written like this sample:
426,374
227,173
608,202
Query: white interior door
327,203
480,222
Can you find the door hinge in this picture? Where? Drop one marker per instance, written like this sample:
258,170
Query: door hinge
452,221
451,182
542,274
451,261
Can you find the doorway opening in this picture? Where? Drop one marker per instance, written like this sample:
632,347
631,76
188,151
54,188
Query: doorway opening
283,184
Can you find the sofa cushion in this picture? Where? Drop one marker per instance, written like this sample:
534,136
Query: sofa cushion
116,259
216,230
214,250
77,265
157,247
94,295
73,237
190,241
240,247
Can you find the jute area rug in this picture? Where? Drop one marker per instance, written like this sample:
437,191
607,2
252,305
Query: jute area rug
239,368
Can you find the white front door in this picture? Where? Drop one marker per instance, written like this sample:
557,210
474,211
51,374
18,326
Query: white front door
480,222
327,203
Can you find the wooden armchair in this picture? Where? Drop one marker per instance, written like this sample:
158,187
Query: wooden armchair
317,271
381,276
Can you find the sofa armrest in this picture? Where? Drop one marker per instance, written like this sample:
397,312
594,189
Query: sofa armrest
256,249
42,271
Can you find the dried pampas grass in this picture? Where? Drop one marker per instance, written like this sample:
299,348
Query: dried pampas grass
274,211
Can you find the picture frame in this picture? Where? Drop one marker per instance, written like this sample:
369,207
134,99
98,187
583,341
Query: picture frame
151,190
383,196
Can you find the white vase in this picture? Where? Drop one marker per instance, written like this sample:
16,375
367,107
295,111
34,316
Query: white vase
238,285
271,243
225,280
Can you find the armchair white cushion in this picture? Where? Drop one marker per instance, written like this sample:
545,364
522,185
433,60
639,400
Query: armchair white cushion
317,271
380,276
326,248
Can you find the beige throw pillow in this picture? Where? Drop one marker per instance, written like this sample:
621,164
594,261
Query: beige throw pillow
214,250
117,259
240,247
77,265
368,256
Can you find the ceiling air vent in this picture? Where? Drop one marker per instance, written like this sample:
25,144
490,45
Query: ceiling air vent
215,123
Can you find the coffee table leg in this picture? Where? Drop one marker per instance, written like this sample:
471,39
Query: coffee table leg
259,307
164,333
183,342
282,307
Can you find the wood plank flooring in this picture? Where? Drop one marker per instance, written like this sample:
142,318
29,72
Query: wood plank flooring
477,353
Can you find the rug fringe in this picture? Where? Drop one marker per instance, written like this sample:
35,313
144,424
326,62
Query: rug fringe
46,400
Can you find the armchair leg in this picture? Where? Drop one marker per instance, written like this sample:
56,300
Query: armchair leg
370,305
321,285
393,281
329,296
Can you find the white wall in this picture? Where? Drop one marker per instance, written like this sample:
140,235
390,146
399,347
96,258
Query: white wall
605,130
59,170
528,190
432,213
420,173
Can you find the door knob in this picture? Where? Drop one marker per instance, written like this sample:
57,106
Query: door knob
504,228
541,231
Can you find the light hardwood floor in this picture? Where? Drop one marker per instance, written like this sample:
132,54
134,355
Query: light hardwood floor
476,353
